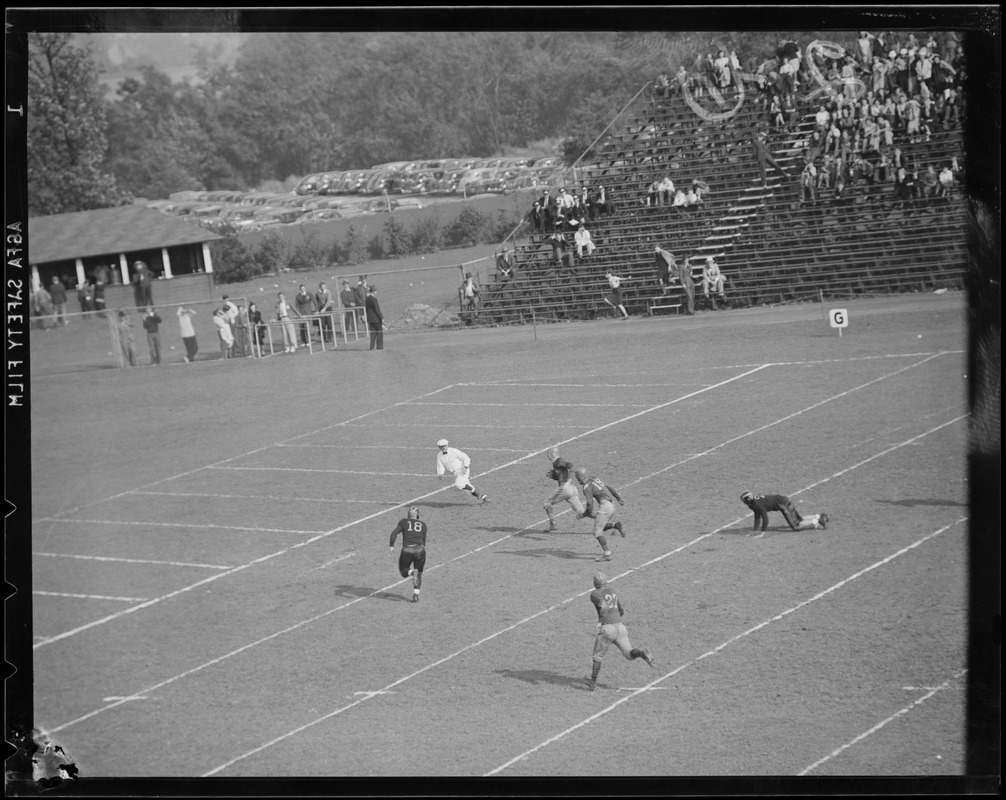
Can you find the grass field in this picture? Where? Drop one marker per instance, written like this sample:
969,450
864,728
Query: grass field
215,596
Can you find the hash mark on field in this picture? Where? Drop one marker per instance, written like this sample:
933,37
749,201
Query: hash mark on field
340,471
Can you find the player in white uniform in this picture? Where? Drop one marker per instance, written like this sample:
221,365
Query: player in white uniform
453,461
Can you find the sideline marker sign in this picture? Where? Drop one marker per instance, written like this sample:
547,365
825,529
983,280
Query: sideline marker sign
838,318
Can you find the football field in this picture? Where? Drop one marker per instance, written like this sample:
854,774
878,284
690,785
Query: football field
212,578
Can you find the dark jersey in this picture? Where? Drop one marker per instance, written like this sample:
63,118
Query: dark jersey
413,533
562,470
761,504
609,607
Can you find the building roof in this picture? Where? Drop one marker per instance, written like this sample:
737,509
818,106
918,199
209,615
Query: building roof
107,231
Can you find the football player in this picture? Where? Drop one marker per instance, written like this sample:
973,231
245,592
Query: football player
595,491
610,628
412,559
761,504
458,464
561,473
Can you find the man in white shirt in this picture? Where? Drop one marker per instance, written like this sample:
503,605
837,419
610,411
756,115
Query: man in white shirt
712,279
453,461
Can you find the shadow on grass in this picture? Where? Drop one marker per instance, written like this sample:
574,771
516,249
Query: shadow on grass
345,590
550,551
536,676
927,502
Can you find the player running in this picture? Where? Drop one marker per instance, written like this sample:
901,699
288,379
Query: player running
452,460
412,559
561,473
595,491
761,504
610,628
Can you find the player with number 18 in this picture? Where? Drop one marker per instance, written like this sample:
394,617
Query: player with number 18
412,559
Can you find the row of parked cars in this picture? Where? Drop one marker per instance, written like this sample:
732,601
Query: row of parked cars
446,176
327,196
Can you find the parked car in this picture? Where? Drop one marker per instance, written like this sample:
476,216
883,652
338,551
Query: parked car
321,215
328,182
282,215
355,181
182,197
256,198
183,208
482,181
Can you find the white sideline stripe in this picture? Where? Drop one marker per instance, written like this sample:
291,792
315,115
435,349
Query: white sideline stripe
265,496
169,525
306,542
252,452
539,405
339,471
132,560
412,425
397,583
89,596
880,725
405,447
723,645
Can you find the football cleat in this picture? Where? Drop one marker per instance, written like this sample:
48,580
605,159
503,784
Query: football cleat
590,684
484,499
618,527
415,597
646,657
605,557
551,527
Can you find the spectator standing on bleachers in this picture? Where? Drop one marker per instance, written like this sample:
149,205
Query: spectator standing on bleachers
188,332
826,173
126,341
85,296
58,295
713,280
901,71
665,264
775,116
943,74
142,285
303,306
471,296
615,298
879,70
684,276
564,205
721,70
763,157
256,329
239,327
808,180
537,217
604,202
504,266
548,211
583,242
951,114
152,325
865,44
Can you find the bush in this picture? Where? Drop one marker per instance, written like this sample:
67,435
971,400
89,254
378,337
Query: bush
232,261
375,247
427,235
273,253
467,229
399,240
308,255
355,247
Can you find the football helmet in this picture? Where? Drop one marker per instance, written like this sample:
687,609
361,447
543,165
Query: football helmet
600,579
413,512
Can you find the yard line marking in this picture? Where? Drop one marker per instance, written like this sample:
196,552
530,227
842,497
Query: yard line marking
170,525
132,560
723,645
89,596
329,563
539,405
324,614
340,471
880,725
413,425
268,497
369,517
252,452
116,697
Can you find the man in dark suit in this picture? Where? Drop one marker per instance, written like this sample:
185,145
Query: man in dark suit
375,320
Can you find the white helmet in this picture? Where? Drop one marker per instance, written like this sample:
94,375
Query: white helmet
600,579
442,443
413,512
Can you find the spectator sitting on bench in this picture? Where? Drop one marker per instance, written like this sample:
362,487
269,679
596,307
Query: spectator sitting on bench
712,279
666,191
604,203
662,87
653,194
930,182
504,266
701,189
692,200
947,181
583,242
680,201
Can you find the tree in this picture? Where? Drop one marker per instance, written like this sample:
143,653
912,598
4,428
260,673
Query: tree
66,130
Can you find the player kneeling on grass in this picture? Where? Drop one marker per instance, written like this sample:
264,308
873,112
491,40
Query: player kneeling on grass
610,628
600,506
761,504
562,473
412,559
458,464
